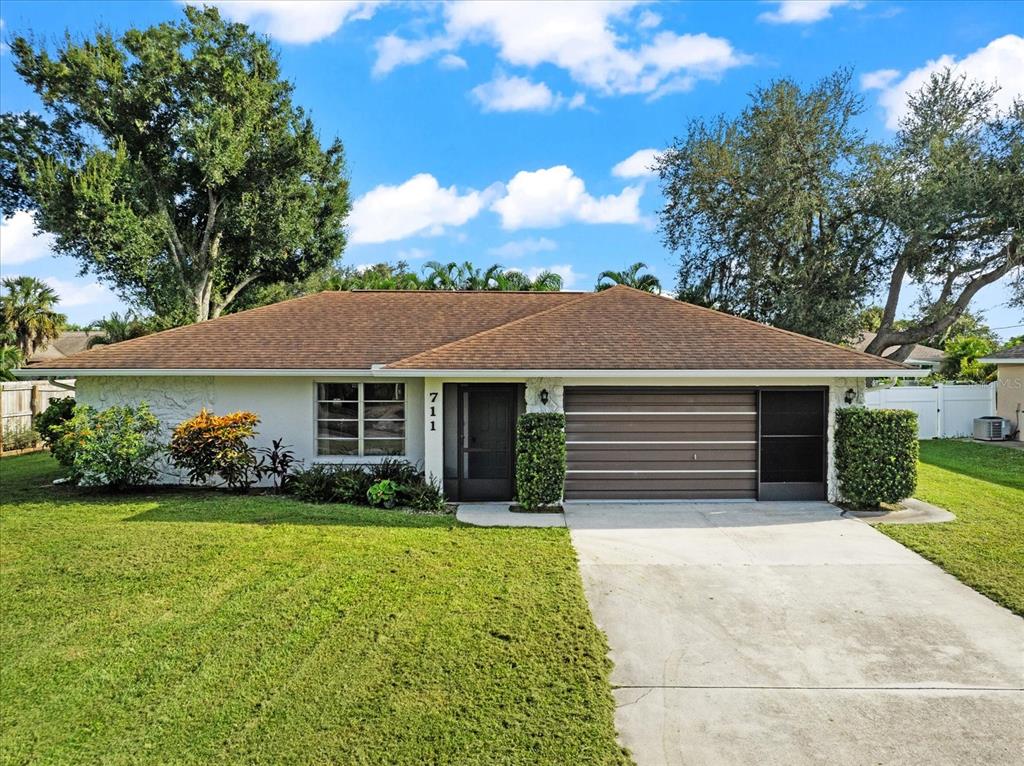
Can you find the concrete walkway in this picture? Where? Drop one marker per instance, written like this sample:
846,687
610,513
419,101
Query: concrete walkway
782,633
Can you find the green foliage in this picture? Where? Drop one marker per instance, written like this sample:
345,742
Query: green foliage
10,359
876,455
20,437
631,277
961,362
382,493
540,458
424,496
277,462
466,276
116,447
117,328
56,414
769,210
209,445
184,175
27,310
393,469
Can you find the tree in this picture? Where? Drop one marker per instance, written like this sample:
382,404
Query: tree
10,360
770,211
197,178
116,328
466,276
380,276
631,277
961,362
951,194
545,281
28,313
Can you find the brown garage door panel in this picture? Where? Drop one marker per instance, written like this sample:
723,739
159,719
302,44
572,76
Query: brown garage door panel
660,443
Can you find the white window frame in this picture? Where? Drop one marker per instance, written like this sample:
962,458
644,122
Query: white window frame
360,455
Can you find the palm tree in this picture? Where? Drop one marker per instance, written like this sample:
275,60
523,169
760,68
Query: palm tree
441,276
116,328
28,313
545,281
10,359
631,277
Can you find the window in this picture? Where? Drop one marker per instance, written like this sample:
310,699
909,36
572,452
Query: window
360,419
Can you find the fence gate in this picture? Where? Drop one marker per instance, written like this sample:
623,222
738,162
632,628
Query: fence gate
943,411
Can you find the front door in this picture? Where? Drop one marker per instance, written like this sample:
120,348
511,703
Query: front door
486,427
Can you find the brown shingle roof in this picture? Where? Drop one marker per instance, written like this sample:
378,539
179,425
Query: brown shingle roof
617,329
1011,353
625,329
920,352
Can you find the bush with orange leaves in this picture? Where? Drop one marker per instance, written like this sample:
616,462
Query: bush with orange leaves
216,445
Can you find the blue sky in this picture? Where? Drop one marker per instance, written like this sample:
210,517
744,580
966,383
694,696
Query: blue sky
520,134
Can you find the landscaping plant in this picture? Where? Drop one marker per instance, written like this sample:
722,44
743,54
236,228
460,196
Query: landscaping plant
276,461
116,447
383,494
58,412
20,437
211,445
540,459
876,455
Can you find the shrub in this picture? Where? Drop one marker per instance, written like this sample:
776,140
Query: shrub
57,412
115,447
383,493
20,437
424,496
540,458
393,469
216,445
876,455
316,484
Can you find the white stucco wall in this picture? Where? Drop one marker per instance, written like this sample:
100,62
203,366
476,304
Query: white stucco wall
286,407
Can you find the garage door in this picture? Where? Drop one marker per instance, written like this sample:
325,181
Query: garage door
660,443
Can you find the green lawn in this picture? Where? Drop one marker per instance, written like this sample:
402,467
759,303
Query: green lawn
984,486
199,627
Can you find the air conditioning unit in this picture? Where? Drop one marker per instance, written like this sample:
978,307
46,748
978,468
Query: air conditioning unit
992,429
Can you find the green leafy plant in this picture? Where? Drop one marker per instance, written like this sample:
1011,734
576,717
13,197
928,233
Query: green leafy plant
424,496
398,471
116,447
876,455
383,493
20,437
209,445
56,413
316,484
540,459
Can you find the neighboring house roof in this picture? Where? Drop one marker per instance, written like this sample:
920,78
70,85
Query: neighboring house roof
67,343
1012,355
616,329
919,353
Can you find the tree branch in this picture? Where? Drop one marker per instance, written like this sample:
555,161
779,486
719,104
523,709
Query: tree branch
219,306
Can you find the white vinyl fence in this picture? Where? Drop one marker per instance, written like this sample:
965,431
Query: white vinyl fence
943,411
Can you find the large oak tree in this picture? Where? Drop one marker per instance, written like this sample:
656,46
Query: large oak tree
173,164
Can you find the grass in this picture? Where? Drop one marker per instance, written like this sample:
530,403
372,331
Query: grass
983,485
196,627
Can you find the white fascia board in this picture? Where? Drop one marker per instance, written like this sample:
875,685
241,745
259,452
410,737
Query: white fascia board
999,360
384,372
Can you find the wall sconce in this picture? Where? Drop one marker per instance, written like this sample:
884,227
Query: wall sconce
543,396
850,396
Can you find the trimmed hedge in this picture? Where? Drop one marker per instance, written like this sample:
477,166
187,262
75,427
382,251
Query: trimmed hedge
540,459
876,455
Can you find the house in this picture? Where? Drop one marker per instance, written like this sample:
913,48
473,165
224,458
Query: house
663,399
1009,384
921,357
64,345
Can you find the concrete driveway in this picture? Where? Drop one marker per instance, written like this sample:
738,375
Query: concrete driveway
783,633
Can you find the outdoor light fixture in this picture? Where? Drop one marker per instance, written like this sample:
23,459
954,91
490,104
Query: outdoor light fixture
543,396
850,396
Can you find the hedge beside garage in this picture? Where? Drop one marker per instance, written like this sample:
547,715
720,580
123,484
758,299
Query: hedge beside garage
876,455
540,459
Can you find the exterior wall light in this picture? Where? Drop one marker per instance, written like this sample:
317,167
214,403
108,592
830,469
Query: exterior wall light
850,396
543,396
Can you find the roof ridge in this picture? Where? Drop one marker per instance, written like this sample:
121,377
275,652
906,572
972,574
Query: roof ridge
762,325
581,296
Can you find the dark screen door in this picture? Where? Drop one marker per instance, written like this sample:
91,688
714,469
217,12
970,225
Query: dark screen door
485,442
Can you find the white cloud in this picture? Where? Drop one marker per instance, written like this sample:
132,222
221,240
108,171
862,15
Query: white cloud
76,293
18,243
804,11
451,61
879,79
413,254
518,94
586,39
295,21
554,196
418,206
522,247
1001,62
565,270
637,165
